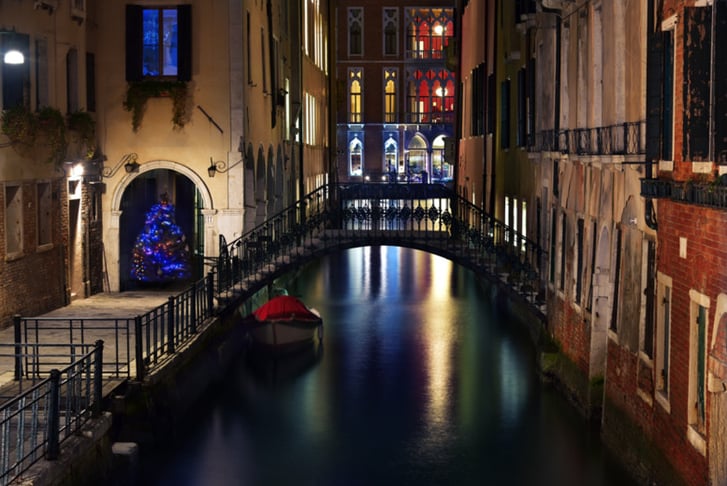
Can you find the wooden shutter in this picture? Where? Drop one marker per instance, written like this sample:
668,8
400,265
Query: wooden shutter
696,83
720,83
134,42
184,60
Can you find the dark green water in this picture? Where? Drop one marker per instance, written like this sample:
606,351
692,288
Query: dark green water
418,381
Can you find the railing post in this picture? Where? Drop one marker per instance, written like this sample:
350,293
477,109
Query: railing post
97,377
54,417
139,348
170,325
193,310
210,292
17,321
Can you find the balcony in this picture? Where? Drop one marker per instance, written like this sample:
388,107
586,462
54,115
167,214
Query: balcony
622,139
711,194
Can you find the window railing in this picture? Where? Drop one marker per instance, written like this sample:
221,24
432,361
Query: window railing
621,139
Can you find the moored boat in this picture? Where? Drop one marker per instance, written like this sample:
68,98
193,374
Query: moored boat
284,323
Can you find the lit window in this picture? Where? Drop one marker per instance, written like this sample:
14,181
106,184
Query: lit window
355,89
390,95
355,156
158,42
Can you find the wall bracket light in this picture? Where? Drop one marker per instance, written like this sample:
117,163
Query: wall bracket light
219,166
129,163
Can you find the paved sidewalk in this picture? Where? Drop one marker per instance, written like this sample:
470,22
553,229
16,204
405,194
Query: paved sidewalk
109,305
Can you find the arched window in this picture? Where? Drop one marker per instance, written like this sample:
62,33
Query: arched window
441,169
391,156
390,102
355,89
355,31
355,156
416,159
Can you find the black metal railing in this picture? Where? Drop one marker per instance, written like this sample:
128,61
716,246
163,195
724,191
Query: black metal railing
622,139
138,344
35,422
712,194
425,216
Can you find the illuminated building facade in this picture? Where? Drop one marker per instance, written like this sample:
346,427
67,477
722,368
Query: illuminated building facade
395,91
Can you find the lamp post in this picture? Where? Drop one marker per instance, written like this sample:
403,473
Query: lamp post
129,163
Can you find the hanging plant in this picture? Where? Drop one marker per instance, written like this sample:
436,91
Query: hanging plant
139,92
83,123
19,125
52,127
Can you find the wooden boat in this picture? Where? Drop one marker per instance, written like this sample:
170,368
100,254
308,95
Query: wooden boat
284,323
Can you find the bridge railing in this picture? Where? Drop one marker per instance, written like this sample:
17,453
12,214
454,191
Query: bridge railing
36,421
419,215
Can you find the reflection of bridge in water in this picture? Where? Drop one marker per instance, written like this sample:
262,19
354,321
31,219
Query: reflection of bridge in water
427,217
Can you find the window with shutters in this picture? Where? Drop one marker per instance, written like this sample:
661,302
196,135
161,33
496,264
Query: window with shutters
663,336
158,42
696,404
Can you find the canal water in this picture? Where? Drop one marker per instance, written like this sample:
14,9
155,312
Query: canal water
418,381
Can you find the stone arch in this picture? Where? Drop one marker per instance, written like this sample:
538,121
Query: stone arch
202,187
113,226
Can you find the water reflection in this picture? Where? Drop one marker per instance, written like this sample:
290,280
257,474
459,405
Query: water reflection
421,382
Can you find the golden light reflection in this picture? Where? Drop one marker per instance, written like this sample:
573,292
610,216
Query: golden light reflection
439,339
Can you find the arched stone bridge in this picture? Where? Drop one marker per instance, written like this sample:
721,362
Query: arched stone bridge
427,217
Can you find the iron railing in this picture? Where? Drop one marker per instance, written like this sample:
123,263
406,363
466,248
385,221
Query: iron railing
712,194
424,216
621,139
138,343
34,423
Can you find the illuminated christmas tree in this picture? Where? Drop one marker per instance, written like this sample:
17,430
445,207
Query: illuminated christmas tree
161,253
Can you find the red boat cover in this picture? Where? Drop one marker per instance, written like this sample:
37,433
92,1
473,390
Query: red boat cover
284,307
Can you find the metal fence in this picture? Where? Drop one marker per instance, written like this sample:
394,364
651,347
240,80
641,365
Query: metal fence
34,423
138,343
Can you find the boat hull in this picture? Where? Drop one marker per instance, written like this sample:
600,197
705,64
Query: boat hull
285,335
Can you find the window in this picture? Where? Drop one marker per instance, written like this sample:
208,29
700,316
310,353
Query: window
391,31
390,79
158,42
647,342
663,336
90,82
13,220
391,156
355,31
522,109
505,117
72,81
477,115
355,93
428,31
42,89
248,48
262,60
430,96
697,360
553,233
43,220
355,156
15,77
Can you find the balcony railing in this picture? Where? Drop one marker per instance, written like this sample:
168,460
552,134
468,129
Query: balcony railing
690,192
621,139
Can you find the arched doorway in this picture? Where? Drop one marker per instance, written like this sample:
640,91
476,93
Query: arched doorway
416,159
137,207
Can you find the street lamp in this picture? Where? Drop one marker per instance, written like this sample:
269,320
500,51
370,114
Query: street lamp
12,55
219,166
128,161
